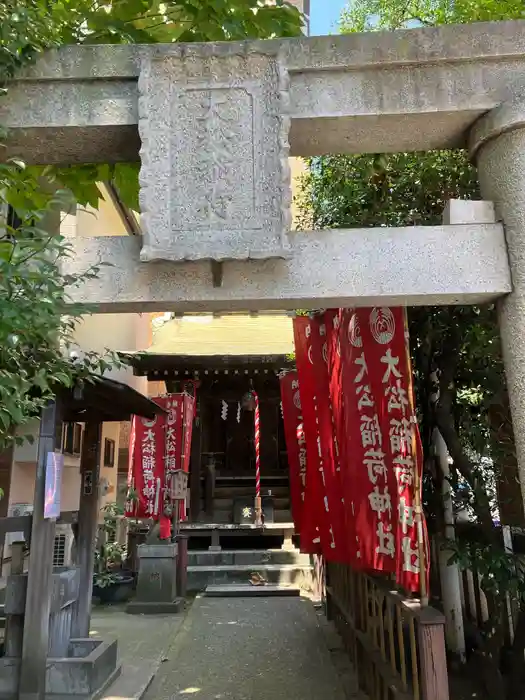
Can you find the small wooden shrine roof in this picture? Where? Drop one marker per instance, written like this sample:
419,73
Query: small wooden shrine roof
105,400
228,335
157,367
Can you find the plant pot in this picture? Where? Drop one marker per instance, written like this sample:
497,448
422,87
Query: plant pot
118,591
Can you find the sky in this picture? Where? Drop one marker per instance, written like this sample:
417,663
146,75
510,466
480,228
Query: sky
324,15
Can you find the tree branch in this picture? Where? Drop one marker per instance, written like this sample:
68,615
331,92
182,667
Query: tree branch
445,421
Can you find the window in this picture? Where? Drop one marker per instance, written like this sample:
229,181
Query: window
109,452
72,438
77,438
59,550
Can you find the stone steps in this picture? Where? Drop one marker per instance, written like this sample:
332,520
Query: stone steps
296,575
248,557
248,591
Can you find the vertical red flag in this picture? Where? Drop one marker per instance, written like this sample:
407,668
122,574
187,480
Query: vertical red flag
314,535
333,320
385,336
188,416
146,467
157,446
295,443
372,485
330,467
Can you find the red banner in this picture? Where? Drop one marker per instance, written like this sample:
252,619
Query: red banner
323,504
295,443
383,444
314,534
179,423
373,482
157,446
329,462
385,335
146,467
333,320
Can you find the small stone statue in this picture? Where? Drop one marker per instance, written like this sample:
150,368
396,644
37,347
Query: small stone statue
153,536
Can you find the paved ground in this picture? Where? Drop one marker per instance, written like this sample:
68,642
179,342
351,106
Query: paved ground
143,644
249,649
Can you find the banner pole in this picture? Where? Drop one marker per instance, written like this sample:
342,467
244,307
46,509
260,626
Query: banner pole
258,501
418,481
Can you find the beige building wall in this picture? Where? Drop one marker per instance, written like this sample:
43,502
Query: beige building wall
109,475
117,332
88,221
24,471
101,332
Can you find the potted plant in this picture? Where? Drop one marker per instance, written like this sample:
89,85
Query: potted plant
112,583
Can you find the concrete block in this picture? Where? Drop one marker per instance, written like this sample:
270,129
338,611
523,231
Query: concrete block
468,211
363,267
157,581
373,92
90,668
215,179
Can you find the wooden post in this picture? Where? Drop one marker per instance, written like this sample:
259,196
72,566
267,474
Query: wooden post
210,488
87,527
432,655
40,582
182,565
195,465
14,624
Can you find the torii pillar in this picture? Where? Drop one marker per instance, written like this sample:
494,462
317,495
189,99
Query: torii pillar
497,145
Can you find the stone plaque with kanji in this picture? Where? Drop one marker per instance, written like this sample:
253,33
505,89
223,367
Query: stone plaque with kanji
215,179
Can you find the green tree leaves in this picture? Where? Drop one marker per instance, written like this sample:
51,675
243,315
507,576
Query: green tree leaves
37,320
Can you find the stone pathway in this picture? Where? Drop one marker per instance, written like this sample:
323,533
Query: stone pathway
143,644
250,649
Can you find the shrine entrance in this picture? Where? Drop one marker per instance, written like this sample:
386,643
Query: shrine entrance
224,541
222,465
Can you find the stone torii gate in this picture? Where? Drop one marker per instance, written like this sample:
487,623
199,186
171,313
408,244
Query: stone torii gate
215,124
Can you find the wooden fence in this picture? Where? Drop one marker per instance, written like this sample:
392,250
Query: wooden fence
396,645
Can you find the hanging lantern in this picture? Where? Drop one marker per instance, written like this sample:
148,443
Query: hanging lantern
178,484
248,401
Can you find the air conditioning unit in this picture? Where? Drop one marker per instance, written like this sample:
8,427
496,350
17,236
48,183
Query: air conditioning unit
16,510
63,546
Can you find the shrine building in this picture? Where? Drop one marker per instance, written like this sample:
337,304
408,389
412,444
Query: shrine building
221,359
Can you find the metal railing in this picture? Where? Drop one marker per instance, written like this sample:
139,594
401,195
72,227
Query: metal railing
397,646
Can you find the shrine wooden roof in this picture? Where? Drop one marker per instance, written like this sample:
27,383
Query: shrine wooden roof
106,400
228,335
157,366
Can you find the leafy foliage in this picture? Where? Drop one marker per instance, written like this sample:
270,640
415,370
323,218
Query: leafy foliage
109,554
37,319
364,15
36,322
31,26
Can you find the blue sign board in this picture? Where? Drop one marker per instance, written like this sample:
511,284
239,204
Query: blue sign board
54,466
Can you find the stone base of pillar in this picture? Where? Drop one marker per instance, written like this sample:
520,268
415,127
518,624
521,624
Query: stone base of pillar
287,540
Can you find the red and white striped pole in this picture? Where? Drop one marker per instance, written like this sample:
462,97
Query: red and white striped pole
258,501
